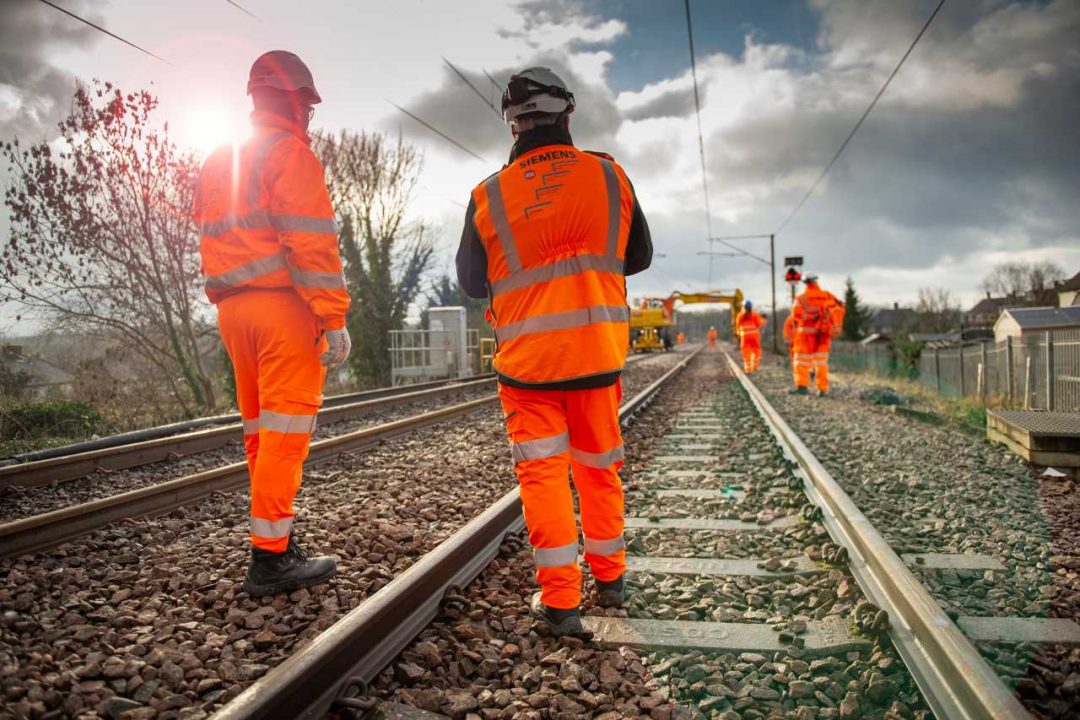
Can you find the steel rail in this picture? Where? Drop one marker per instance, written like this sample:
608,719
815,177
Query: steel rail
72,467
159,431
956,681
59,526
353,651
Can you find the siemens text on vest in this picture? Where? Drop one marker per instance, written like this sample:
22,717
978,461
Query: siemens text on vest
544,157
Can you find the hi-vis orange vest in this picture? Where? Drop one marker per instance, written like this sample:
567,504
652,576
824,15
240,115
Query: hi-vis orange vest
817,313
555,224
749,323
266,221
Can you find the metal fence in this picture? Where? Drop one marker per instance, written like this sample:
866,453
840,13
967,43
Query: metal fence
1040,372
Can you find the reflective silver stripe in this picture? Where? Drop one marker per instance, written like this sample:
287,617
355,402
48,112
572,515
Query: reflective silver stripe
602,460
310,279
563,321
556,557
604,547
559,268
280,422
304,223
258,159
258,219
246,272
271,528
614,203
807,330
502,223
251,426
540,448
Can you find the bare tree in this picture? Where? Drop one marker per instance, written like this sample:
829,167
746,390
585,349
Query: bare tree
935,311
102,237
1017,279
386,254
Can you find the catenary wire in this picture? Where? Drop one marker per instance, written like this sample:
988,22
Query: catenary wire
701,140
740,251
103,30
243,9
475,89
865,114
440,133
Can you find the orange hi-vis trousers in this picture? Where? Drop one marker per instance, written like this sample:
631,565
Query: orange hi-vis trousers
274,343
811,352
751,351
553,433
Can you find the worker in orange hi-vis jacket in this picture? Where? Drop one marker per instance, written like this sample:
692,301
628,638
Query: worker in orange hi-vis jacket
549,239
818,317
680,339
270,257
749,323
711,336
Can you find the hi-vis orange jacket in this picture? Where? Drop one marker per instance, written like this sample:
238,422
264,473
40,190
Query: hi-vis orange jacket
550,239
749,323
817,313
266,221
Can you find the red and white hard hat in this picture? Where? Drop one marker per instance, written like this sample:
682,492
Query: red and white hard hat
283,70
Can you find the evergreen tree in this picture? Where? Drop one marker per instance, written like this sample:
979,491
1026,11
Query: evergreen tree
856,316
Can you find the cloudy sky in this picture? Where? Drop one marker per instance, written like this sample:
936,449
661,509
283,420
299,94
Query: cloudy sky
971,158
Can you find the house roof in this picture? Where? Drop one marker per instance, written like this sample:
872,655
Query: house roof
890,316
989,305
1072,283
1044,318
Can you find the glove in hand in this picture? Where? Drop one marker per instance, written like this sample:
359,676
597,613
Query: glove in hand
339,346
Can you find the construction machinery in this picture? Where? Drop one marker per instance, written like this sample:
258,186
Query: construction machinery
653,321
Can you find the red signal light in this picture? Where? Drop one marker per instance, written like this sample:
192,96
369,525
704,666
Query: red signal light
792,275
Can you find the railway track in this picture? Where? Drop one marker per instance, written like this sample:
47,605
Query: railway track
849,604
331,671
174,441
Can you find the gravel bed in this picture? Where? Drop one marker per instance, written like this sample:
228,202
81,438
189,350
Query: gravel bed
483,658
936,489
147,619
16,503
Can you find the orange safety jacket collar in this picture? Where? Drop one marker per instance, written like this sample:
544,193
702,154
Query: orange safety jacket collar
265,118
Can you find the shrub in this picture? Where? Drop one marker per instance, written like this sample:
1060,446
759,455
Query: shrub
53,418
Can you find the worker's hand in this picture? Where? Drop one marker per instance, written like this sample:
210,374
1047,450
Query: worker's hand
339,344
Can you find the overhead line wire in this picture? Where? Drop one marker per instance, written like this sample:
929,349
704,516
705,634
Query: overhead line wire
474,88
243,9
865,114
700,137
107,32
439,132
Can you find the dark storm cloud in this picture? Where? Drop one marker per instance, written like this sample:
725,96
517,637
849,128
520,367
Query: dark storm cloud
674,103
975,150
33,92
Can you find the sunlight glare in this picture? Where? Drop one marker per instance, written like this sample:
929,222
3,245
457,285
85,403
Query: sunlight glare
209,126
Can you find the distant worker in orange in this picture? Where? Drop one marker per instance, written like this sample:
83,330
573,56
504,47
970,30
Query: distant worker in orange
270,257
818,317
680,339
789,334
549,239
749,323
711,336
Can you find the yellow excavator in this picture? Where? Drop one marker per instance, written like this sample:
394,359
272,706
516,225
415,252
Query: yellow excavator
653,321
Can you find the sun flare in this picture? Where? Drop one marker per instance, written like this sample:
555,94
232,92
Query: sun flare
209,126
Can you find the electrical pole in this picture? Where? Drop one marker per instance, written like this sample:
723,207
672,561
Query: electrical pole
772,277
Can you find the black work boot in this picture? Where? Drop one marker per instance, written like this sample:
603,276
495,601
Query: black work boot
556,621
611,594
270,573
800,391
